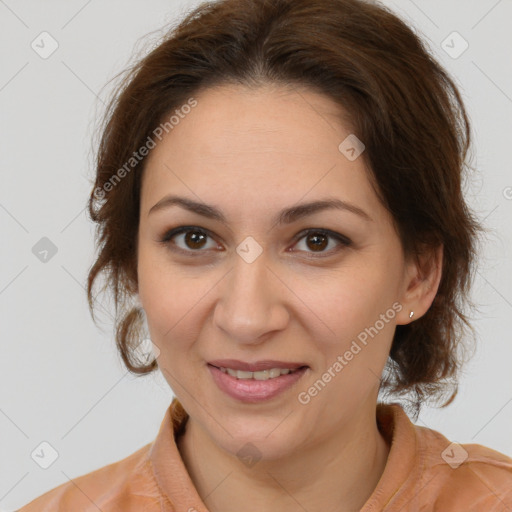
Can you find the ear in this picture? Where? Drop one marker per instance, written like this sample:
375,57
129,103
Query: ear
422,277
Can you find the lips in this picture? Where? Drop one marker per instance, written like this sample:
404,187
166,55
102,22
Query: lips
256,366
255,387
258,381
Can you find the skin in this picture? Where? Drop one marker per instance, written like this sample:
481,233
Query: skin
252,153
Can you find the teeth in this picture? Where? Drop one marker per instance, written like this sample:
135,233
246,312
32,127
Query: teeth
261,375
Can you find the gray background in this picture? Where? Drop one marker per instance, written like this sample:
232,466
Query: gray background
61,380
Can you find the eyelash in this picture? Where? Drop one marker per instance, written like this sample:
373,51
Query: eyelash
166,240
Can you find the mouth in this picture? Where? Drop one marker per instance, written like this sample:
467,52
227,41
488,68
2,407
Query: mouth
259,375
259,370
255,382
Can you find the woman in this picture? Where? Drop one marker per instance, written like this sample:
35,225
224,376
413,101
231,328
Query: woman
278,196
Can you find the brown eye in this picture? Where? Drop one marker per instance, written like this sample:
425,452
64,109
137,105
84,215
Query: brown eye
195,239
188,239
318,240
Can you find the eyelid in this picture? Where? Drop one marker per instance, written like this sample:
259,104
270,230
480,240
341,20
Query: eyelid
342,240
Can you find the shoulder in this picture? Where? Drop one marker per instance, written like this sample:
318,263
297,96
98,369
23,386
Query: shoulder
464,474
126,485
426,471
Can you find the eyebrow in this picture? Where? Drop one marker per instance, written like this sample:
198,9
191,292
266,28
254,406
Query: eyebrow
286,216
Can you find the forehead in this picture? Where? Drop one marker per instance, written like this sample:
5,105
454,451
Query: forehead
247,145
234,119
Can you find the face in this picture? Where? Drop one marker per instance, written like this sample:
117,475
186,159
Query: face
318,291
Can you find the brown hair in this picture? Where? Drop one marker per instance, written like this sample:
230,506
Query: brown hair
401,103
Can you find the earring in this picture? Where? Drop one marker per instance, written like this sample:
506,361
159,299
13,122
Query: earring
411,314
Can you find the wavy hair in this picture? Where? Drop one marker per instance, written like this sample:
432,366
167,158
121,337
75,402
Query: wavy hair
401,102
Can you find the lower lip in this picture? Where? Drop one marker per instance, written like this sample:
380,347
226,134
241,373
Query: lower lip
251,390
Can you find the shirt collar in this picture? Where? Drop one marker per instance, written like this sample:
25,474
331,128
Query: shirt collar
403,458
168,467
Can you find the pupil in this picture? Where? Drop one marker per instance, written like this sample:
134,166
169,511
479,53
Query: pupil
195,238
316,238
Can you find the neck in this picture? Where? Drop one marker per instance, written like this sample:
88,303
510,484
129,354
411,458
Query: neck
336,472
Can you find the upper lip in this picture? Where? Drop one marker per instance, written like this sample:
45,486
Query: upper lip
234,364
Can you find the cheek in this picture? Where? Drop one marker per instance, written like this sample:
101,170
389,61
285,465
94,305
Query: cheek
177,301
168,300
355,332
350,300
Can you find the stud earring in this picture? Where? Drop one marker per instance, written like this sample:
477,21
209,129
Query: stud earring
411,314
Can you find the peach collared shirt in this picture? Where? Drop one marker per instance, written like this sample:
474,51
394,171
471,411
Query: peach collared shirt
424,472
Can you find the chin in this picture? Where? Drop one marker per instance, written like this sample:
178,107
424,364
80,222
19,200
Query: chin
257,442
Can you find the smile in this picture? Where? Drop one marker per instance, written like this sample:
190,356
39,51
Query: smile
261,375
258,385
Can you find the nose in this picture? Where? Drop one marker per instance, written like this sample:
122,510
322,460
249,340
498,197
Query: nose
252,302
